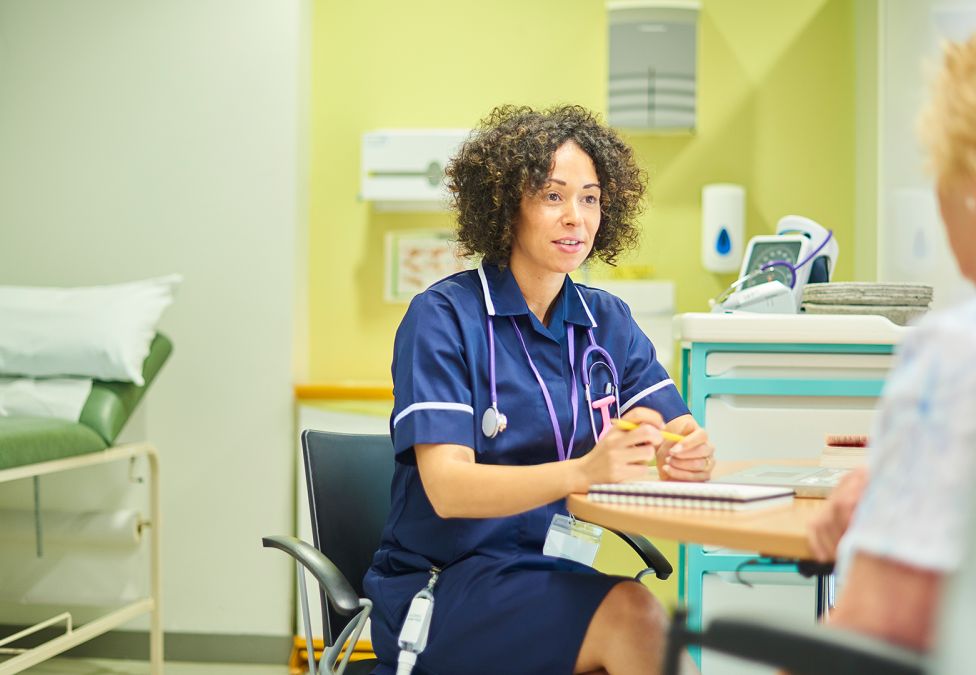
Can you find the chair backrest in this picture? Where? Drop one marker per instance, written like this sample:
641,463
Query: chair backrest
348,479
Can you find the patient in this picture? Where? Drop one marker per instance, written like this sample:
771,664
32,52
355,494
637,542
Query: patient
901,524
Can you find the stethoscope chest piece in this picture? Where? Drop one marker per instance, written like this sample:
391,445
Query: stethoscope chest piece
493,422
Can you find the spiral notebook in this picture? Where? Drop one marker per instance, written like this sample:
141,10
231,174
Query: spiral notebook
711,496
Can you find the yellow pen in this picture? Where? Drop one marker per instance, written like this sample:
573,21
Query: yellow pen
627,425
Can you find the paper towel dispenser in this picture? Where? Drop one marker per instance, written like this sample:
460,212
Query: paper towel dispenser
652,62
403,169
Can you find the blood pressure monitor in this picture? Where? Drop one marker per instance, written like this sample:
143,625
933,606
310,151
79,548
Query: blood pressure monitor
800,251
773,248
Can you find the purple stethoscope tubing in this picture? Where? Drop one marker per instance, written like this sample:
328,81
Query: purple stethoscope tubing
563,449
607,363
794,268
600,351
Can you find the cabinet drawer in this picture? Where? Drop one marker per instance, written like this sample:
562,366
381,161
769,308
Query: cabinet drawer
769,427
786,595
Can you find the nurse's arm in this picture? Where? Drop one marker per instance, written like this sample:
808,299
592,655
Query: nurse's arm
458,487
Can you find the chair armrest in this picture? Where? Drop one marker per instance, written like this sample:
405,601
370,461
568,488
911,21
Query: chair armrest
807,650
653,558
337,588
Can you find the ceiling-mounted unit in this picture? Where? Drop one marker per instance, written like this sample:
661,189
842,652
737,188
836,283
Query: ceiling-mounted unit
652,56
403,169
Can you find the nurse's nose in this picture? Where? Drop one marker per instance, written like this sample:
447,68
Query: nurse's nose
572,213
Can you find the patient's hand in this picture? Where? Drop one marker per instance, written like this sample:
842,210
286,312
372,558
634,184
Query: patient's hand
830,523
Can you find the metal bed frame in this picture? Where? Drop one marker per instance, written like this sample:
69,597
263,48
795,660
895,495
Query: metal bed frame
73,635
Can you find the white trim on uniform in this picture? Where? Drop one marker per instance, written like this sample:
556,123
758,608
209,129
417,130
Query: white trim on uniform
650,390
586,308
432,405
489,305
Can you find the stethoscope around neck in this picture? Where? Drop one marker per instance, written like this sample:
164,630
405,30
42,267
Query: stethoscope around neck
494,422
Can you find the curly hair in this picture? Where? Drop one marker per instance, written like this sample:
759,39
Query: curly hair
510,154
948,124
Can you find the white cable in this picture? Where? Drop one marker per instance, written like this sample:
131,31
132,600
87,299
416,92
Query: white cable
405,662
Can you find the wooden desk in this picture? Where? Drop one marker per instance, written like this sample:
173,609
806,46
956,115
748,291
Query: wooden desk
778,531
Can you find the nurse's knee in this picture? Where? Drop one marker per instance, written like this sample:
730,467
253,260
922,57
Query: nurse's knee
637,610
627,632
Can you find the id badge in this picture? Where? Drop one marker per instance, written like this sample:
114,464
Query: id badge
572,539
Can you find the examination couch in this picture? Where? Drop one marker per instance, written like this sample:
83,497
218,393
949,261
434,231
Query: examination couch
31,447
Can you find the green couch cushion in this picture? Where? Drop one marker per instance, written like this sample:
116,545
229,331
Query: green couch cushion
111,403
28,440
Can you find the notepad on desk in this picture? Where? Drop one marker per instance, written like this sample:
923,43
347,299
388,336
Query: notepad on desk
710,496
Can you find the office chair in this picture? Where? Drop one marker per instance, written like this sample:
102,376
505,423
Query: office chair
348,478
825,649
348,482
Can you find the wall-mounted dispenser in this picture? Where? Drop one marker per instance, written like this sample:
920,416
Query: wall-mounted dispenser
723,226
652,57
403,169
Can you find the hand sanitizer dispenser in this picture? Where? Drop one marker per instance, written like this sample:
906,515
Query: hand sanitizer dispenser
723,226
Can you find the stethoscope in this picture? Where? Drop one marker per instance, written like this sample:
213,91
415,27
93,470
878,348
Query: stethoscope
494,422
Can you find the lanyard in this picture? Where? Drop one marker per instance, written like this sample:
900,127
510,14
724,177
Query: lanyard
562,449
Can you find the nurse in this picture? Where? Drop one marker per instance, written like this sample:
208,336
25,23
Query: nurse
493,427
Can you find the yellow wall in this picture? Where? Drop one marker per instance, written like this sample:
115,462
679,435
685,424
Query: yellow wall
416,64
776,113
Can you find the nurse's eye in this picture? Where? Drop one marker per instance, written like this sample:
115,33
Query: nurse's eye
552,197
591,199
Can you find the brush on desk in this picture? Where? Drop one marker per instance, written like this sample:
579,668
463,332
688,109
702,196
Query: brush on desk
844,451
627,425
846,440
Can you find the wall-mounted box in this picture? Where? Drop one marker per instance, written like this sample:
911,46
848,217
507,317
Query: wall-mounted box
403,169
652,84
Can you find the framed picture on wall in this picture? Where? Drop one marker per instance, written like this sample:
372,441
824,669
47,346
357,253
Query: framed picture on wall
415,260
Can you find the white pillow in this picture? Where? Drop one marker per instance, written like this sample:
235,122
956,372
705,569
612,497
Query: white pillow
103,332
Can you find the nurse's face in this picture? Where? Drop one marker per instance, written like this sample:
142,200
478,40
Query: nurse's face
957,202
556,225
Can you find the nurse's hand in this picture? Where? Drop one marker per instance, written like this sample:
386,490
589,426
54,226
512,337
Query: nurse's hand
620,454
826,528
689,460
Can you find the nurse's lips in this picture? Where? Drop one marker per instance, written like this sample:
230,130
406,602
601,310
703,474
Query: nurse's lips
568,245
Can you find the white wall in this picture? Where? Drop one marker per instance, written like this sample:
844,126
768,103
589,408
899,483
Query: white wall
139,138
912,245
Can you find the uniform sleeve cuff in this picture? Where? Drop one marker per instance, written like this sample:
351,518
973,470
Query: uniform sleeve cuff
434,426
666,400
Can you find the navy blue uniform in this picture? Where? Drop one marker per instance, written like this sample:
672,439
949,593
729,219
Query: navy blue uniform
500,605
